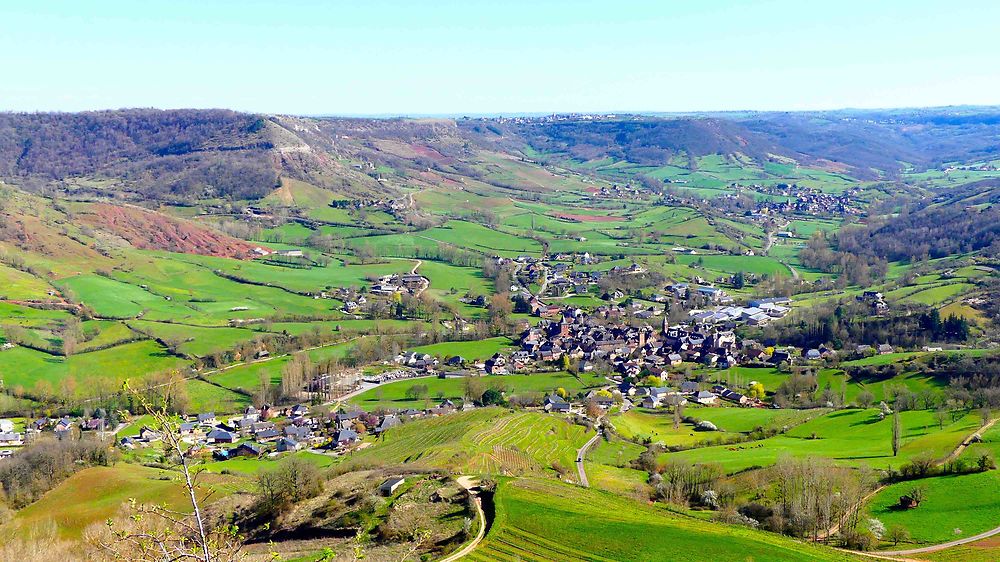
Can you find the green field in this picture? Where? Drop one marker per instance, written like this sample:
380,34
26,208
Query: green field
760,265
195,340
658,424
849,437
393,395
306,280
990,443
19,285
207,397
954,507
449,283
545,520
250,466
95,494
478,349
26,367
481,441
246,377
432,196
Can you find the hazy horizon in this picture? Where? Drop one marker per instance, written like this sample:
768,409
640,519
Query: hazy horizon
514,114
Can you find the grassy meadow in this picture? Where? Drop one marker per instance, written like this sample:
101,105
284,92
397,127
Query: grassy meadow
546,520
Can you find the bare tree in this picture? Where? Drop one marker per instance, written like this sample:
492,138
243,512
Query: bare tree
156,533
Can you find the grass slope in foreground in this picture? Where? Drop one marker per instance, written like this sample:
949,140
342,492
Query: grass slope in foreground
548,520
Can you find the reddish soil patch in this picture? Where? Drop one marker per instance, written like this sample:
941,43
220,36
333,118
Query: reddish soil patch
834,167
437,179
152,231
428,152
586,218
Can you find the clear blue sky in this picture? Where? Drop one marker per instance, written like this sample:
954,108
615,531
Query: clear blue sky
502,56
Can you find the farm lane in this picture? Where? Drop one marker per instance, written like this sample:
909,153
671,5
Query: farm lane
942,546
469,483
581,456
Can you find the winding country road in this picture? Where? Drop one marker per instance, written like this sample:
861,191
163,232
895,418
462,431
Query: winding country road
468,482
942,546
581,455
426,285
768,244
795,273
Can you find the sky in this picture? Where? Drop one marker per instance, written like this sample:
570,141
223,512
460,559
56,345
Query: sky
389,57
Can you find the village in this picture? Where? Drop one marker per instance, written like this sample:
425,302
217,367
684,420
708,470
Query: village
643,366
797,199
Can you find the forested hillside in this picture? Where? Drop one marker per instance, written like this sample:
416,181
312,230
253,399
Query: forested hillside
886,140
959,221
649,141
185,154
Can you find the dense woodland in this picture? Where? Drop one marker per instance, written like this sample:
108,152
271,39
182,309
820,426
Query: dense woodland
868,144
933,232
647,141
882,139
850,323
178,153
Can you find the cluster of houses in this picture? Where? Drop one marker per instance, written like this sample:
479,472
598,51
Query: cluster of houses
62,428
369,203
652,397
865,350
708,339
250,433
256,432
875,300
385,286
616,191
552,118
353,302
389,285
557,274
803,200
9,437
556,404
411,359
709,293
632,350
757,313
560,280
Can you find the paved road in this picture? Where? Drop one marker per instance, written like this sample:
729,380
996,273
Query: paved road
581,455
942,546
968,440
469,483
957,542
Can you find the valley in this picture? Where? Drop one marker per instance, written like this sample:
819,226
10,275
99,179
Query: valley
331,320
